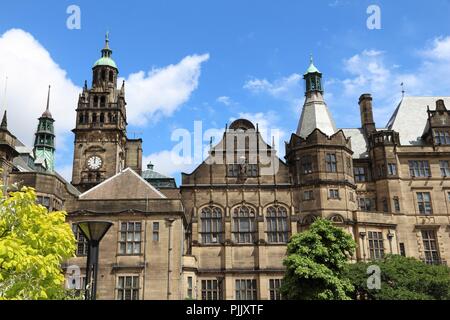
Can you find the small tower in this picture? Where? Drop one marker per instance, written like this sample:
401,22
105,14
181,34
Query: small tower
7,149
105,70
320,159
44,144
315,113
313,79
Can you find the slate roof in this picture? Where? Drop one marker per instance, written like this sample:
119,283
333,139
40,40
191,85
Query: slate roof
410,118
315,115
127,184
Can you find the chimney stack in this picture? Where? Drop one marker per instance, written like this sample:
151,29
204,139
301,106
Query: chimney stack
365,107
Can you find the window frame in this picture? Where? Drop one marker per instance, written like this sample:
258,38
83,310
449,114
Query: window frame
245,289
359,174
242,236
444,166
306,165
133,290
215,223
275,289
80,242
375,243
331,162
134,243
334,194
432,255
425,207
392,169
155,231
277,222
419,169
213,292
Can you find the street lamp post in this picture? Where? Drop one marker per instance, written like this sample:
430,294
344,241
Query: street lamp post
93,231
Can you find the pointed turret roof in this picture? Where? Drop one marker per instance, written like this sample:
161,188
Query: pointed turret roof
312,68
4,124
315,113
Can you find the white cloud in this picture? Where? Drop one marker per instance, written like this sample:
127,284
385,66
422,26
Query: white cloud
224,100
30,69
440,49
371,72
283,88
160,92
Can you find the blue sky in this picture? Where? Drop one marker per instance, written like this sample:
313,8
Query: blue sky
214,61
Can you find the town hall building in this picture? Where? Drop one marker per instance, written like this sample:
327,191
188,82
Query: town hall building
222,233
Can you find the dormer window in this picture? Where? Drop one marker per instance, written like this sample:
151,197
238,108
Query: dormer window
441,137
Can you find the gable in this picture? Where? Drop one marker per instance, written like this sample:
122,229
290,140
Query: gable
124,185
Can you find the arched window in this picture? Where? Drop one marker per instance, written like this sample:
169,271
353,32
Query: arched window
212,230
102,117
277,224
337,218
103,75
309,219
95,102
94,117
81,118
244,224
111,76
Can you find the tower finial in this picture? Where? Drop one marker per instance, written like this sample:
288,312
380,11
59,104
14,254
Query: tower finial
311,59
403,90
106,51
47,113
48,98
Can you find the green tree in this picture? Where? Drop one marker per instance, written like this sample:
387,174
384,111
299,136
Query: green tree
402,279
33,244
315,263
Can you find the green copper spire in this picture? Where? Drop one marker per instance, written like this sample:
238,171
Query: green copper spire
312,68
106,59
44,144
313,78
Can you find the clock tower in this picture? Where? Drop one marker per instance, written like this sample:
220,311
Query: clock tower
100,133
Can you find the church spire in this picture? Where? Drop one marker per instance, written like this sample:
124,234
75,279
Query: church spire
4,124
315,113
44,144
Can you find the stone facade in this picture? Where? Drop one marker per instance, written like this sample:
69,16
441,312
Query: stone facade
222,234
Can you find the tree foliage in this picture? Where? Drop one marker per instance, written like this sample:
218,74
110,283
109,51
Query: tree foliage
33,244
402,279
315,263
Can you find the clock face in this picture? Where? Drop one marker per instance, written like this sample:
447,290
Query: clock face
94,163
